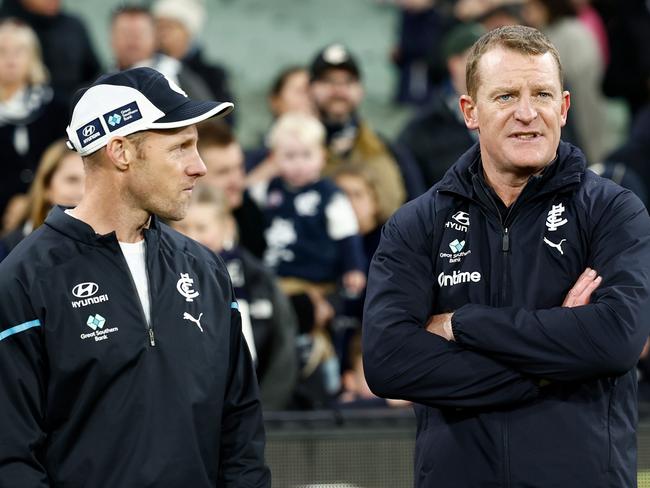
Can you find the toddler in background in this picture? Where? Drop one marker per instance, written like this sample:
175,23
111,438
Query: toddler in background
312,232
314,246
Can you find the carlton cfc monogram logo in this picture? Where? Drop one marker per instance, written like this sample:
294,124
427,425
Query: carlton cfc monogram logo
185,287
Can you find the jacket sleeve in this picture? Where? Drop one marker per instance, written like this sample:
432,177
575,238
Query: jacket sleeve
22,388
600,339
403,360
242,428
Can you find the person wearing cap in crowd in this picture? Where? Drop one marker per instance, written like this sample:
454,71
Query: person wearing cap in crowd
178,25
133,42
437,135
335,87
122,356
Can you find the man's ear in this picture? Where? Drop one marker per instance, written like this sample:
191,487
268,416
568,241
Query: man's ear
120,152
468,107
564,111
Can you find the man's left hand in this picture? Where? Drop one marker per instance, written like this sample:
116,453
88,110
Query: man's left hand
441,325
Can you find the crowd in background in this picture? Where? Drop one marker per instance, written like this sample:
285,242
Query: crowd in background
298,218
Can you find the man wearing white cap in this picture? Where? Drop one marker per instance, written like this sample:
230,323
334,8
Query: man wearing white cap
122,357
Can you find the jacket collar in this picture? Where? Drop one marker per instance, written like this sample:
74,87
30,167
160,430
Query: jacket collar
567,169
78,230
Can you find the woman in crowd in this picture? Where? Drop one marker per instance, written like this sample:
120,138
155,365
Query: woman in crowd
59,180
289,93
30,116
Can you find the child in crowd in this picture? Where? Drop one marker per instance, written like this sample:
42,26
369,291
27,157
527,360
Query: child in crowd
312,231
268,320
313,245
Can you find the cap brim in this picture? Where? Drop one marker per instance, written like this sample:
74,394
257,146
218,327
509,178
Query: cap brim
192,112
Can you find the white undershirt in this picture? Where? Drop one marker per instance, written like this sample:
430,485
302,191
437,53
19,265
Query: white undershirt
134,253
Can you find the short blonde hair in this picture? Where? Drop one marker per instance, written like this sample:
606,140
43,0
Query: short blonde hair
38,74
518,38
306,128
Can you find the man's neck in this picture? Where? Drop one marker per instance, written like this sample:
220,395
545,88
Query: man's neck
102,211
506,185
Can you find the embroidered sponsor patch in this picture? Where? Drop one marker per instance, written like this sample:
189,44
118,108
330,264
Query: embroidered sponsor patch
90,131
122,116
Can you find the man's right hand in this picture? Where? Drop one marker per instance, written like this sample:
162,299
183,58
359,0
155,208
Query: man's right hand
581,292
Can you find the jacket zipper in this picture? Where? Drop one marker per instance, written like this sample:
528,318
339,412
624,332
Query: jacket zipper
148,326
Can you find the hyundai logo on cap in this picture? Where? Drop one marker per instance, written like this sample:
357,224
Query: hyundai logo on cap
90,132
119,104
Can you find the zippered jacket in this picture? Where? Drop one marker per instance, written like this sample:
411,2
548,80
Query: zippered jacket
92,395
530,394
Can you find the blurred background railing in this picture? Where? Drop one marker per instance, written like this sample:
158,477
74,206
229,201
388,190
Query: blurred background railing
365,448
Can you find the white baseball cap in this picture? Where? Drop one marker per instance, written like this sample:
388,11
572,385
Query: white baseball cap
119,104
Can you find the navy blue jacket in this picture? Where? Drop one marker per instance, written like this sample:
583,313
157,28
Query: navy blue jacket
92,395
483,418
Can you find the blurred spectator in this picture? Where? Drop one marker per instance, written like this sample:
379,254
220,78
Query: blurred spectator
437,135
312,244
133,40
490,13
628,29
178,25
13,213
356,392
592,20
67,48
583,69
31,117
264,308
337,92
59,180
311,229
416,55
289,93
359,183
224,160
634,154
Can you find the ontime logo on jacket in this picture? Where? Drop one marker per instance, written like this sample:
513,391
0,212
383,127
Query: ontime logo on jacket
458,277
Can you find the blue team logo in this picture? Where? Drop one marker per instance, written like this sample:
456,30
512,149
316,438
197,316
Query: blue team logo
456,245
121,116
114,120
95,321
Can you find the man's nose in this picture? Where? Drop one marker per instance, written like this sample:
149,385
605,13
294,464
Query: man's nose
197,167
525,111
